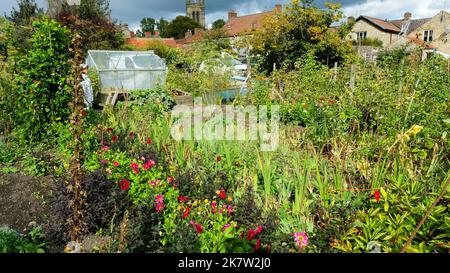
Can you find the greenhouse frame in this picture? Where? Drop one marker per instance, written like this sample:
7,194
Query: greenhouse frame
125,71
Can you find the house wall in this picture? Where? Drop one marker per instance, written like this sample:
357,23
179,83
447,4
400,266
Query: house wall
373,33
440,40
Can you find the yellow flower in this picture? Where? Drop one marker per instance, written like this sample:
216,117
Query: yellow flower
206,201
230,199
416,129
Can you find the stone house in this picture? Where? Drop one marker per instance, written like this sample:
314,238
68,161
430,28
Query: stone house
430,34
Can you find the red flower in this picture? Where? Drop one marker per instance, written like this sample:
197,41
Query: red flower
160,207
186,212
251,235
182,199
268,248
149,141
222,194
199,228
114,138
377,196
110,130
218,158
258,245
132,135
124,185
116,164
170,180
147,166
259,230
135,167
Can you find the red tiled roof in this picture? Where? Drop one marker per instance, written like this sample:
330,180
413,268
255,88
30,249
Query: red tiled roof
245,24
383,24
143,43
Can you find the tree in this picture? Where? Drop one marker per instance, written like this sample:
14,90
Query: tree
148,25
179,26
218,24
162,25
300,29
94,9
28,9
92,21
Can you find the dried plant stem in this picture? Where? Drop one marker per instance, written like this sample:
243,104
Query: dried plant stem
76,185
414,234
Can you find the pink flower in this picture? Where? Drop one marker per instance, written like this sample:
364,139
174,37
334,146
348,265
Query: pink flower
259,230
135,168
251,235
227,226
105,148
170,180
147,166
160,207
116,164
159,199
301,239
230,209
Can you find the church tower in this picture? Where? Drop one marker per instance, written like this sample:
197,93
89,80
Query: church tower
195,9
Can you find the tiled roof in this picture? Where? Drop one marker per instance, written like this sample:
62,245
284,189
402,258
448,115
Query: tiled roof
245,24
383,24
394,26
143,43
415,23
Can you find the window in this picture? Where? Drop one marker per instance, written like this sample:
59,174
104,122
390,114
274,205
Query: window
428,35
361,35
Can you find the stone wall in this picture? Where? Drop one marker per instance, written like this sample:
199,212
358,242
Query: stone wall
369,53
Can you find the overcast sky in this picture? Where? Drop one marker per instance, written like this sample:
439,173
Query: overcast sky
132,11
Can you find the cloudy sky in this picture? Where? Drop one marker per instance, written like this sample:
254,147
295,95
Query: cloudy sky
132,11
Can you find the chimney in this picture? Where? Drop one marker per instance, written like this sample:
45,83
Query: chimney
351,20
156,33
148,34
278,8
407,16
232,14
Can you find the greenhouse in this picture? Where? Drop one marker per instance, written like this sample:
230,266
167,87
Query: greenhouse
127,70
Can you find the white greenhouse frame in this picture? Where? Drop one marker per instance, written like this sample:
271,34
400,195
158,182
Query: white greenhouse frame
125,71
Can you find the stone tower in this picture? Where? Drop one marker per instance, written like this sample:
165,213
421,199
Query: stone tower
195,9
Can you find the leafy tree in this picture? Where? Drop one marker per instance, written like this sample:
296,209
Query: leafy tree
148,25
162,25
28,9
179,26
301,28
218,24
92,21
94,9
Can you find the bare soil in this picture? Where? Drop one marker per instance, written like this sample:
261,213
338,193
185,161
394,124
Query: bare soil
24,200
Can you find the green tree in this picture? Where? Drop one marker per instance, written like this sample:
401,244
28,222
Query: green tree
218,24
301,28
28,9
94,9
162,25
179,26
148,25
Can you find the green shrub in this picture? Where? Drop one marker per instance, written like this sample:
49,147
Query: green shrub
43,92
13,242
